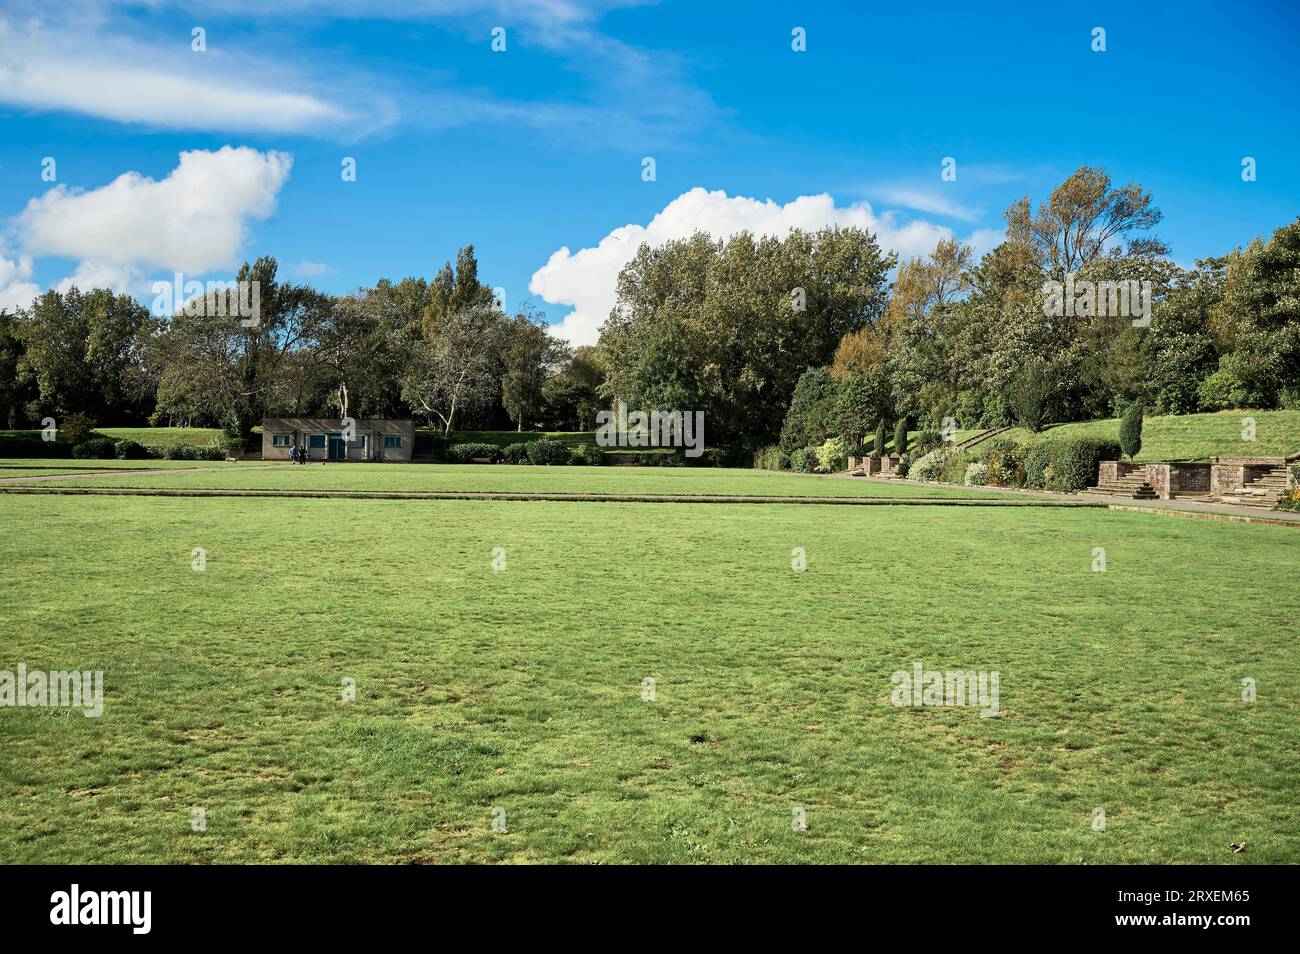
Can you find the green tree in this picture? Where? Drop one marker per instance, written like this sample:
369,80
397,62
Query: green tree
879,447
900,436
457,369
530,357
1130,430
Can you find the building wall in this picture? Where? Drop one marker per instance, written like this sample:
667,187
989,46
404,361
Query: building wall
301,429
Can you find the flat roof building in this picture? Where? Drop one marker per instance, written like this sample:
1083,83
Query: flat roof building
325,438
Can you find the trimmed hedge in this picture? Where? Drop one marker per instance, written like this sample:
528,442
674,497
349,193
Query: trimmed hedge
516,453
94,448
464,453
547,453
1069,465
588,455
33,447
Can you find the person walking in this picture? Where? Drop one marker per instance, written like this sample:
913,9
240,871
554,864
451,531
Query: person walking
293,455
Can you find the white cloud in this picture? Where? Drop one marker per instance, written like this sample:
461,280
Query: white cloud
72,65
306,269
924,200
194,220
16,289
587,279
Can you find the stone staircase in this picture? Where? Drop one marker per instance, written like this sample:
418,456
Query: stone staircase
1130,485
979,438
1262,491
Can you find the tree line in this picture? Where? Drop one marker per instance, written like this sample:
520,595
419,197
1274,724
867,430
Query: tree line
791,340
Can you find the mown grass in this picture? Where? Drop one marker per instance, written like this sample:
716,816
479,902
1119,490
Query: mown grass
522,689
511,478
146,436
1189,436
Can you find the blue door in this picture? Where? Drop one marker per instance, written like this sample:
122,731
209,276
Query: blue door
338,449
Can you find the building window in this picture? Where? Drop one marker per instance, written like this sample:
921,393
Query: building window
392,440
281,440
316,441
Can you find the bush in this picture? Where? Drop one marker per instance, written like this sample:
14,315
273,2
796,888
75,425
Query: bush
589,455
977,474
1006,462
95,448
1038,461
211,452
879,447
900,436
1289,398
76,428
464,453
23,446
1074,462
771,458
928,438
547,453
1130,430
516,453
833,455
930,466
802,460
131,450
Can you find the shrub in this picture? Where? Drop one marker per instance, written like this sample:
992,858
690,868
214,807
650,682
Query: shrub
802,459
900,436
1074,462
879,447
1038,460
905,464
516,453
930,466
833,455
94,448
130,450
76,428
464,453
1130,430
24,446
590,455
771,458
211,452
1289,398
547,453
1006,462
928,438
977,474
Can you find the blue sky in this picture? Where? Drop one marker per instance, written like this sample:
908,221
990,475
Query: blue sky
539,149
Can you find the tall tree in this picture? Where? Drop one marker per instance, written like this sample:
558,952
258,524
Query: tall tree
457,368
530,357
1082,218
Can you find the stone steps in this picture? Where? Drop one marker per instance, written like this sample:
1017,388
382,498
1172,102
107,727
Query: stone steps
1263,492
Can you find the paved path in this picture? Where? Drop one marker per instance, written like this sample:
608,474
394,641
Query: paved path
30,478
1172,507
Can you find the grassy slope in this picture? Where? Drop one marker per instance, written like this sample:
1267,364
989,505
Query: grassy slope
521,689
525,479
1191,436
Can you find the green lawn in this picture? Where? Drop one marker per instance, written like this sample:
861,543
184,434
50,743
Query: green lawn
1190,436
521,690
523,479
148,436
